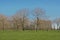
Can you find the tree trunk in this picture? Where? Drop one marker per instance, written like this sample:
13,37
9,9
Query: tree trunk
3,24
23,23
37,23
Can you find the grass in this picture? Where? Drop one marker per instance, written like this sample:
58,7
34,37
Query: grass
29,35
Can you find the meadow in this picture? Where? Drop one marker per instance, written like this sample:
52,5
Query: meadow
29,35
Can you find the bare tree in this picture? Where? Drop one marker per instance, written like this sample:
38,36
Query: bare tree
15,21
54,23
3,18
57,21
22,17
38,13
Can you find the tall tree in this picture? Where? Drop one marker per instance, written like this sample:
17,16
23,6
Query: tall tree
38,13
22,17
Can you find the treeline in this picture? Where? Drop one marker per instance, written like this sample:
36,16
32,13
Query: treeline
26,19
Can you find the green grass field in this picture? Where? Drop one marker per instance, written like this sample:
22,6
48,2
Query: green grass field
29,35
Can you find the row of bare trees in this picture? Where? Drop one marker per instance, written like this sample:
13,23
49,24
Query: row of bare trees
22,19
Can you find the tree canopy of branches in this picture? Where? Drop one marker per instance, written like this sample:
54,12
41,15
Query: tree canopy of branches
22,20
38,13
21,17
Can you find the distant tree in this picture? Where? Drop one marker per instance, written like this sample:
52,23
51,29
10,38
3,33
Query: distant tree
3,18
57,21
59,27
53,24
15,21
